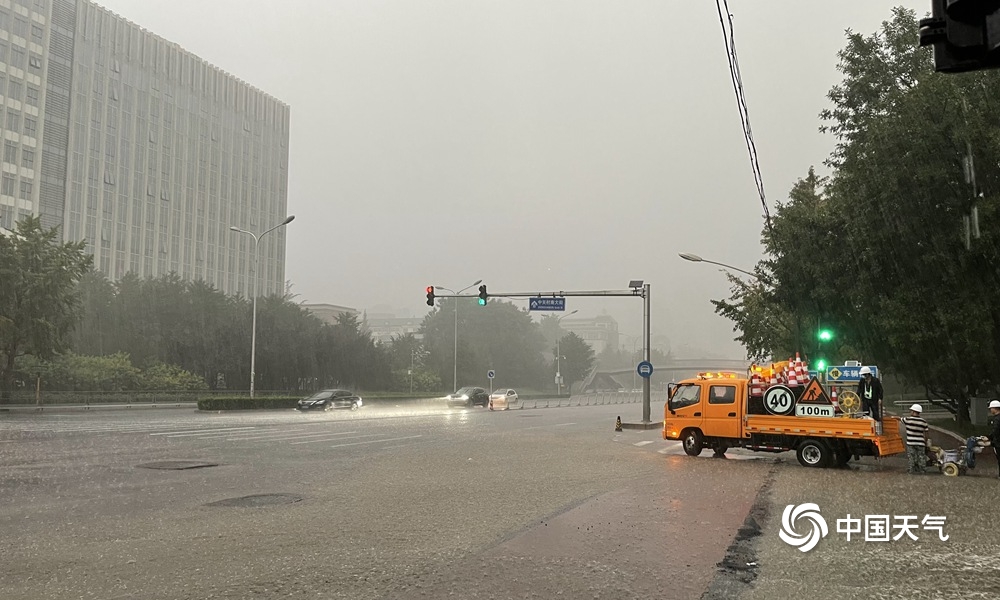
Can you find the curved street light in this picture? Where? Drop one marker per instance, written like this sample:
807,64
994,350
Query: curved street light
559,354
696,258
441,287
256,276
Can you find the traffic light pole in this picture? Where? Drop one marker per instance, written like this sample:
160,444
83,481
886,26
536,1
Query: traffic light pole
641,291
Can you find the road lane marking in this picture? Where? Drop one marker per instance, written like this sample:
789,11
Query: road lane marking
271,438
208,436
409,437
642,443
547,426
333,439
200,430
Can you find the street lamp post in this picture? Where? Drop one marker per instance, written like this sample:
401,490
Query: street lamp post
696,258
635,339
559,355
256,276
441,287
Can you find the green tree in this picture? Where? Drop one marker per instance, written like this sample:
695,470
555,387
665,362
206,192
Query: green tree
577,358
878,252
39,301
498,336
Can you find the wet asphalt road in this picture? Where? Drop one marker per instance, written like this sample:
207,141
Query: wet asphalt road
430,503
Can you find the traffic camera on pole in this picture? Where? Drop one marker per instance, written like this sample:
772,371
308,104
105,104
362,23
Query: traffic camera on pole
482,295
430,295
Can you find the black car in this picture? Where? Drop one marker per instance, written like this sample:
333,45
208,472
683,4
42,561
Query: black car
469,396
329,399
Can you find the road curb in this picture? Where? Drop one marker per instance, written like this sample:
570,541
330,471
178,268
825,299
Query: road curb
653,425
946,432
92,407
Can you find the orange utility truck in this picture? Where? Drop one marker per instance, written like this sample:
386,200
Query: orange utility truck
766,413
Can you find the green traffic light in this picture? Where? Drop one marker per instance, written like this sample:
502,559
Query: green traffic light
825,335
482,302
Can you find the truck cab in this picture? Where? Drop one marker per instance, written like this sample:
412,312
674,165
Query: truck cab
712,404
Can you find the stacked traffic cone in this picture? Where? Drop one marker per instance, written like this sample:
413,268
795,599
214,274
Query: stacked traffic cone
774,377
756,385
618,424
800,366
793,374
833,399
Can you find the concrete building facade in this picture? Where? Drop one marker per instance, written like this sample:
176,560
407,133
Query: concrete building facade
141,149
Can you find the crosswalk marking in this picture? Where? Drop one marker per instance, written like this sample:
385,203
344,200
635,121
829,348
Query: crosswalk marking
677,449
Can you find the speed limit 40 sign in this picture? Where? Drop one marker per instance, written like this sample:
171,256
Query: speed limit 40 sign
779,400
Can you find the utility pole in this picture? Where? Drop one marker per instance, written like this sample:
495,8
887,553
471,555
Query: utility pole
638,289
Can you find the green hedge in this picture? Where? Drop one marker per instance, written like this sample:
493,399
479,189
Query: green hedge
247,403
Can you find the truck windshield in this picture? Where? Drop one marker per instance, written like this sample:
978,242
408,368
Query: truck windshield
685,395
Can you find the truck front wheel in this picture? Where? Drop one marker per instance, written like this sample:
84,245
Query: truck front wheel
814,453
693,442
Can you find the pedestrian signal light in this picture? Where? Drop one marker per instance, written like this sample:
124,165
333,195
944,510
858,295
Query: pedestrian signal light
821,365
430,295
482,295
825,335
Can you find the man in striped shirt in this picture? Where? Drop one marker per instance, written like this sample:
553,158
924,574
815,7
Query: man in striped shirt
916,439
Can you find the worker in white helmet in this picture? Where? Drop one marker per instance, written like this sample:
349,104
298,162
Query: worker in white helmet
870,391
916,439
993,424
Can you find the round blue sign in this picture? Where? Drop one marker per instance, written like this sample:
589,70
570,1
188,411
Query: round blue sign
645,369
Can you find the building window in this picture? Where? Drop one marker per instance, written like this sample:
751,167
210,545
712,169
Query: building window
28,158
17,57
7,185
10,152
36,33
30,126
14,90
32,97
13,121
20,27
35,62
25,190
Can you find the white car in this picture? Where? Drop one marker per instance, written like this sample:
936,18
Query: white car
503,399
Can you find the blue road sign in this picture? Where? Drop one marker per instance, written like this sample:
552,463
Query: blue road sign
846,374
491,373
645,369
547,304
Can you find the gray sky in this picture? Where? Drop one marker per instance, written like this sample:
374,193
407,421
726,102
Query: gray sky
537,145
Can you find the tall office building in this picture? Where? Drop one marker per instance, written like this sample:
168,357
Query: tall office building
138,147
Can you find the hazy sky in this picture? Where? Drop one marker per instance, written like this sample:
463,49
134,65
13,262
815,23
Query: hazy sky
537,145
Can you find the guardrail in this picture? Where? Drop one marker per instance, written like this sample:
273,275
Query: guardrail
589,399
147,397
930,410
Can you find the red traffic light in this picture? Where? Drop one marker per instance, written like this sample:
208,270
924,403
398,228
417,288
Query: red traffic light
430,295
430,289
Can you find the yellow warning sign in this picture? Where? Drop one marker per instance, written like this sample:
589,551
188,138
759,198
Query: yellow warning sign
835,373
814,394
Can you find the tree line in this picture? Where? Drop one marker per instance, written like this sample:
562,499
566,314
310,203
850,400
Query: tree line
69,325
885,251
